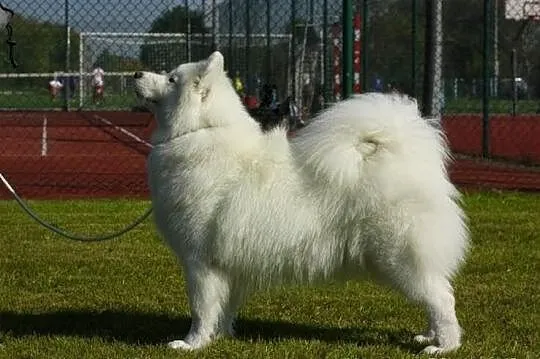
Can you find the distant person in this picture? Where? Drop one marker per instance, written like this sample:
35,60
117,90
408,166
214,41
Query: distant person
55,86
378,85
98,84
72,83
238,84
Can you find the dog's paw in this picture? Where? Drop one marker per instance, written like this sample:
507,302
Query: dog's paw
432,350
435,350
180,344
423,339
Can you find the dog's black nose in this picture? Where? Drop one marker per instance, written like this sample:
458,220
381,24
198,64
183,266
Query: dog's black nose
138,75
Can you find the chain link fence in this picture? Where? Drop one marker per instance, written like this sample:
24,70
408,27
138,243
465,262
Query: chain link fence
266,43
70,123
490,90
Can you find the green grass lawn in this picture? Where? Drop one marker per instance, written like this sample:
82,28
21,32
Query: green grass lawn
126,298
496,106
42,100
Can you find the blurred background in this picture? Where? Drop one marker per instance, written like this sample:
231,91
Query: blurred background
70,124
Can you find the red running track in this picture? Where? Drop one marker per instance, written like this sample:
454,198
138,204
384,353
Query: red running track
75,154
103,154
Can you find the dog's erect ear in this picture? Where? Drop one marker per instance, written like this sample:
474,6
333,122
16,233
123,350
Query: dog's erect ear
214,63
211,67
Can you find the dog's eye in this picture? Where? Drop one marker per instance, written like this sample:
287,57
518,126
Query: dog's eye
172,80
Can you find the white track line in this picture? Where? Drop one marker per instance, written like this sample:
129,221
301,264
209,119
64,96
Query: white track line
44,137
124,131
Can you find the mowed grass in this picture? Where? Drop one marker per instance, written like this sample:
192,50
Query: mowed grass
126,298
41,100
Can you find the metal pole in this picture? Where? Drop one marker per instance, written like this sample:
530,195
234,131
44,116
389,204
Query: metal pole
248,48
513,62
188,35
203,32
229,42
81,69
429,61
293,48
347,29
215,45
433,90
268,64
414,23
325,51
496,67
68,50
438,88
487,72
365,37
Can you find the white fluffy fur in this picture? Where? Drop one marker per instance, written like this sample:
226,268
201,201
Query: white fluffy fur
363,188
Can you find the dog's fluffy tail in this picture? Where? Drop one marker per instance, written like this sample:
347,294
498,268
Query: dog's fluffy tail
374,139
376,151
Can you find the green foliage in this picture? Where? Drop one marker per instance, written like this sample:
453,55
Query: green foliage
389,42
114,62
176,20
41,47
180,20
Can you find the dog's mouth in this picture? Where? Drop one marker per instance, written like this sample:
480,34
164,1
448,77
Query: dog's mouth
144,99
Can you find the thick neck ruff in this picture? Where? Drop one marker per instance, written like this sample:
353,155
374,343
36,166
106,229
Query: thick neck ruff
180,135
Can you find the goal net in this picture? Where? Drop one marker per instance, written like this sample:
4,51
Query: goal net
120,54
255,58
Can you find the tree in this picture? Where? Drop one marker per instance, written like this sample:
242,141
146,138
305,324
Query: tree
114,62
388,44
163,54
41,46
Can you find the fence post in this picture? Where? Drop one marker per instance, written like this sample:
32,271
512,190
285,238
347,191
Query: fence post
347,28
293,49
230,41
247,79
325,61
433,60
68,51
485,80
268,61
215,29
188,35
81,70
427,94
365,51
414,25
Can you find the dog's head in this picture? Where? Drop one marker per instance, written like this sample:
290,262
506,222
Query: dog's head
150,88
193,96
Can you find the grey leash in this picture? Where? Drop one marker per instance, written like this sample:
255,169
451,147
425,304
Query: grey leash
68,235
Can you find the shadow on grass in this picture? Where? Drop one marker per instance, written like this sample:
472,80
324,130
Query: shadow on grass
150,328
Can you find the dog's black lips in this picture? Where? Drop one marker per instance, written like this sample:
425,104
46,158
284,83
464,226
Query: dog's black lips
142,98
138,93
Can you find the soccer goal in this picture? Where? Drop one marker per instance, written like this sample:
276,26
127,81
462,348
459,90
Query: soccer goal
120,54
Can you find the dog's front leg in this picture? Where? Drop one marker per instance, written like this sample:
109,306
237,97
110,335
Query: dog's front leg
209,295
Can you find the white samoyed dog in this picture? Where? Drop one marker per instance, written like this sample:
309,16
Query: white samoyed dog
362,189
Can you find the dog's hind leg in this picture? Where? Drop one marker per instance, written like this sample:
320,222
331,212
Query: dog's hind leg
434,291
444,331
209,295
